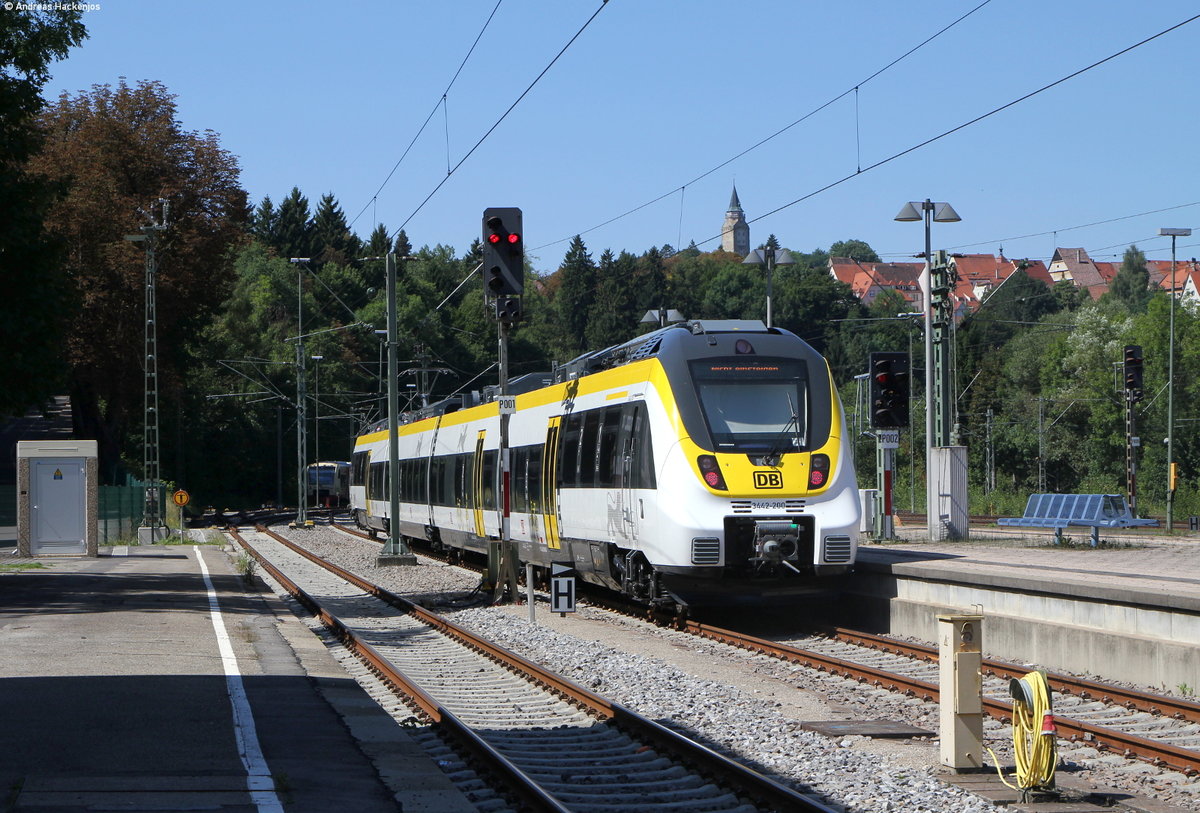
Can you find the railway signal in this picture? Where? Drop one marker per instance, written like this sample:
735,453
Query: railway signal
503,252
889,389
1133,372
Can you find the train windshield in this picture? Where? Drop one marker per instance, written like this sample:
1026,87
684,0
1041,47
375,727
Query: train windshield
321,476
754,405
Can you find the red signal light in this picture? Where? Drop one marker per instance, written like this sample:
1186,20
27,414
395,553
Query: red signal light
514,238
493,238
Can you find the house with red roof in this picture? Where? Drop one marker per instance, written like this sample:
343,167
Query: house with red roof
978,275
1075,265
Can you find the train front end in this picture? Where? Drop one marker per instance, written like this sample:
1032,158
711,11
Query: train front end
767,498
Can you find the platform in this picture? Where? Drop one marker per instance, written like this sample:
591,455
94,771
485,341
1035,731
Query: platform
1128,611
117,693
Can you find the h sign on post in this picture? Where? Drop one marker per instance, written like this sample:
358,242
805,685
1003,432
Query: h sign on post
562,588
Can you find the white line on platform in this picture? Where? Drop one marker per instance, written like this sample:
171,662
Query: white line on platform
258,774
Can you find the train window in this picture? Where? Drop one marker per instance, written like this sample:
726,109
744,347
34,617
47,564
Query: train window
519,463
459,491
608,461
568,468
588,439
641,451
469,480
358,469
533,478
449,480
377,488
421,477
754,405
437,481
489,479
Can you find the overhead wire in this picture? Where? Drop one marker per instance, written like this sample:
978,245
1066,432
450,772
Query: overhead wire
775,134
1073,228
967,124
503,116
440,103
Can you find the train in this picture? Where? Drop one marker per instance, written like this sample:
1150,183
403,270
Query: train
701,464
327,484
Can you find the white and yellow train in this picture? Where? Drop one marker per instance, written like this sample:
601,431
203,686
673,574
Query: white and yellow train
699,464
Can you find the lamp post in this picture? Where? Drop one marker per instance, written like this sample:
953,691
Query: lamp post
317,424
1172,233
930,212
769,257
301,397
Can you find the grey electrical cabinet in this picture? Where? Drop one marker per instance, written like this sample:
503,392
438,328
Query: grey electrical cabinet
56,497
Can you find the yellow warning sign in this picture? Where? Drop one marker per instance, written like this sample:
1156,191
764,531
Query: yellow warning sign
181,497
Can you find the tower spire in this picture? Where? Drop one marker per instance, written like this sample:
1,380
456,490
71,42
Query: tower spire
735,232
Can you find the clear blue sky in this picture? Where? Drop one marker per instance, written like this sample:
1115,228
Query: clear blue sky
655,93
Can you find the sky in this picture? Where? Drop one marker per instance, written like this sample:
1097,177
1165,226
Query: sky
654,106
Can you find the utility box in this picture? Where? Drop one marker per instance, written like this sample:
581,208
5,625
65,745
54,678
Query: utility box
57,488
960,663
868,499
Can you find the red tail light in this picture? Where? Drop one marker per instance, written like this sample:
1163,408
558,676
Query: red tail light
818,472
711,472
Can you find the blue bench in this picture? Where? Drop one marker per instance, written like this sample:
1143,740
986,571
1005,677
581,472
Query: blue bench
1059,511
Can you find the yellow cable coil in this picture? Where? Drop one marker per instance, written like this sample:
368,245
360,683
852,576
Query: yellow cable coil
1035,741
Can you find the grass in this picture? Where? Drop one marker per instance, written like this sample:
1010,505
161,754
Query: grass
15,567
245,565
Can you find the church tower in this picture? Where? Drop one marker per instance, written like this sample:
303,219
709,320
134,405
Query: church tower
735,233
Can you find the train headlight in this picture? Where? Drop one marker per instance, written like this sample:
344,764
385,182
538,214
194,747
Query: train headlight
711,472
818,471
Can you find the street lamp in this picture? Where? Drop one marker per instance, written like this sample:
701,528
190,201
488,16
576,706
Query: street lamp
769,258
1172,233
930,212
317,424
662,317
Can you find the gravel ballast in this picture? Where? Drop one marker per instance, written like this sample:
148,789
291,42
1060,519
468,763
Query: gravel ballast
747,706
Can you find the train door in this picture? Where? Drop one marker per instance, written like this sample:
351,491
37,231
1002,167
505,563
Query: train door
629,507
477,485
550,484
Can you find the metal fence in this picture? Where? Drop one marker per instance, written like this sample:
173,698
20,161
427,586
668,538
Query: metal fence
120,510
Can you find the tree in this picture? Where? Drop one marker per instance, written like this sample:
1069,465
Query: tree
332,240
36,307
576,293
616,321
293,231
1131,285
264,222
119,151
854,250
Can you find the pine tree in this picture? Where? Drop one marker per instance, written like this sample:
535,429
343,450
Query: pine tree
379,242
403,247
615,321
332,240
265,221
577,292
293,233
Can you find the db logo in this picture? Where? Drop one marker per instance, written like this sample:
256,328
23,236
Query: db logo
768,479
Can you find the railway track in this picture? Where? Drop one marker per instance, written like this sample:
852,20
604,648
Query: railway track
556,745
1161,730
